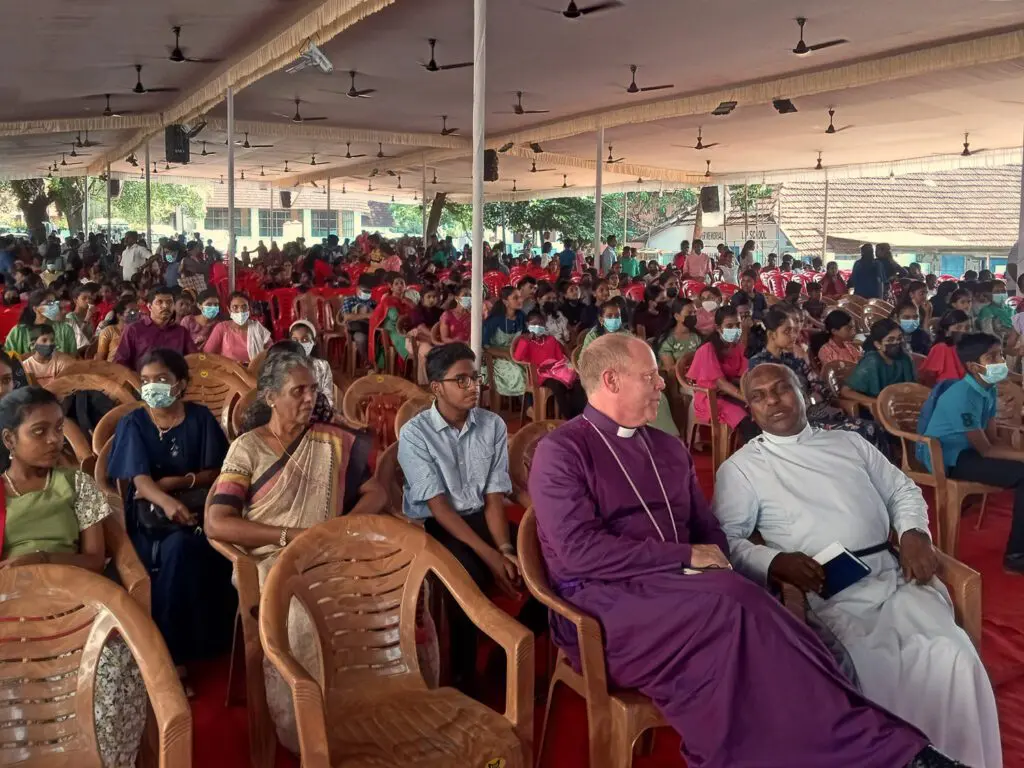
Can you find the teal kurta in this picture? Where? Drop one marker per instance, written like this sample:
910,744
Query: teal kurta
873,374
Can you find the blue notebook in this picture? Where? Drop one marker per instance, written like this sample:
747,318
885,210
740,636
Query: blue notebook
842,569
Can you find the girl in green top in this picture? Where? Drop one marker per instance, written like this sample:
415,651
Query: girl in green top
42,309
996,317
680,340
885,362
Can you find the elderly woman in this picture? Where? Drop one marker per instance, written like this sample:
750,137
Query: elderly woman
169,452
283,475
241,339
55,515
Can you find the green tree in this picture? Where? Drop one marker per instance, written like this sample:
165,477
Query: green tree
456,218
745,196
34,198
165,199
408,218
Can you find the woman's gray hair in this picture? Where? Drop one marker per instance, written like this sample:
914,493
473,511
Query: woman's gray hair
271,378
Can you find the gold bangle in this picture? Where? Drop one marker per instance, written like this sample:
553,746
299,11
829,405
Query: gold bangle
283,541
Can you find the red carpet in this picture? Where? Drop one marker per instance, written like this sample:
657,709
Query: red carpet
221,734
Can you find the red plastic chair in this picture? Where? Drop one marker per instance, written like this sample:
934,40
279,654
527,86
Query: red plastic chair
635,292
281,300
516,274
776,284
693,288
727,289
495,280
379,292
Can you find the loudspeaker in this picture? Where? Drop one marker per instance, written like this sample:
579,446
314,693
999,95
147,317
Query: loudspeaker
176,144
709,202
286,199
490,165
115,187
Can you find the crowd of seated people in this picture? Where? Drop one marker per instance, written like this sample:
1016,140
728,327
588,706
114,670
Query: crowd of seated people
619,541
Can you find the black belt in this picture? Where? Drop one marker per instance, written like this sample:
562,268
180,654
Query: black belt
884,547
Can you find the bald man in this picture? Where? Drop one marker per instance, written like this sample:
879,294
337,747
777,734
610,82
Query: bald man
804,489
628,538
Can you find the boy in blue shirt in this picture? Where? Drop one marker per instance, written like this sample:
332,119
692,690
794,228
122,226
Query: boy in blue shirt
961,419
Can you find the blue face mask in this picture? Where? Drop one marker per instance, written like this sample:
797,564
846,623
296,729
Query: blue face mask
210,312
731,335
169,257
466,301
611,324
998,299
158,395
537,330
909,326
995,372
50,311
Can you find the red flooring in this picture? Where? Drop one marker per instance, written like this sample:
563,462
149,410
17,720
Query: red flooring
221,735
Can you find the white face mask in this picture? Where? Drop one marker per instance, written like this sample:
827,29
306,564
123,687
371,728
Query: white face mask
710,305
307,347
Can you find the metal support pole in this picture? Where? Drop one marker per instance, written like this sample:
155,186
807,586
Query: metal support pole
85,209
1020,225
231,188
109,235
746,210
149,204
330,219
424,206
598,184
479,116
625,224
824,226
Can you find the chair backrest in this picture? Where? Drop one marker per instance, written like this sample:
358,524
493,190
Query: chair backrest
899,409
216,390
357,396
64,386
238,412
255,363
55,621
107,426
682,368
410,408
389,474
1010,405
835,374
521,447
197,361
121,375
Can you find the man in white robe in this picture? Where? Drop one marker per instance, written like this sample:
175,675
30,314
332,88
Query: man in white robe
803,489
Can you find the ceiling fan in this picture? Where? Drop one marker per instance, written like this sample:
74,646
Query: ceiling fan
611,159
565,181
348,152
535,169
178,56
75,153
818,166
802,48
707,173
433,66
634,88
968,152
536,148
515,189
573,11
380,151
434,180
399,181
64,162
297,117
313,162
355,93
140,88
506,147
700,141
831,125
132,160
244,144
517,108
445,130
108,112
373,173
155,171
204,153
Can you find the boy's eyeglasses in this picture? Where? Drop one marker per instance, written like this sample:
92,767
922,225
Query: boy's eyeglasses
465,380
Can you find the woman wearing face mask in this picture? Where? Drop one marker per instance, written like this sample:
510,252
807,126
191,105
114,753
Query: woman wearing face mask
996,318
425,315
943,362
884,361
126,312
538,348
46,362
682,338
12,374
505,322
243,338
915,337
555,321
390,317
169,453
571,307
710,301
610,322
201,325
304,334
42,309
455,321
652,314
719,364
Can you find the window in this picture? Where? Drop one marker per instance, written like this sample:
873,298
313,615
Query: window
348,224
272,222
323,223
217,218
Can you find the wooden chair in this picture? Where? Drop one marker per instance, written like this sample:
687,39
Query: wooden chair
1010,414
218,391
521,447
494,398
359,394
58,618
435,334
410,408
388,473
125,377
898,410
359,578
679,392
254,365
66,385
615,719
245,576
238,413
199,361
834,374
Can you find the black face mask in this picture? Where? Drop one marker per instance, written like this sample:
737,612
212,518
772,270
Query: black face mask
690,322
672,292
893,350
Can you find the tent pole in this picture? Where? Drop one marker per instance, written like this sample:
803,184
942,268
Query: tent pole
625,225
479,116
423,191
330,229
598,198
231,189
110,241
824,225
1020,224
85,210
149,204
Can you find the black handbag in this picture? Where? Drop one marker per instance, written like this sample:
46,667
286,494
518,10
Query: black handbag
156,525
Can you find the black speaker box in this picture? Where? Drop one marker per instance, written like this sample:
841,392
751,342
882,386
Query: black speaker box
115,187
286,199
176,144
709,202
490,165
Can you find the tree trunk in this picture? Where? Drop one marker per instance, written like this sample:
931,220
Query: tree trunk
434,217
33,200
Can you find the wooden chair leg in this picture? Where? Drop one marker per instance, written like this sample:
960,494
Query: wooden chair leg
230,698
949,521
262,737
981,513
555,680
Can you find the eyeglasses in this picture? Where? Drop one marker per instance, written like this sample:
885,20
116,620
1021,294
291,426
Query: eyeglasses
465,380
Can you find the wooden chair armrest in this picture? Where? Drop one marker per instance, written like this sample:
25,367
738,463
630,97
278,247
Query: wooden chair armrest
499,353
795,602
964,585
850,399
131,571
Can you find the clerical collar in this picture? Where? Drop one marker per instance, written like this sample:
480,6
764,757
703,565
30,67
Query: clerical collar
788,439
605,424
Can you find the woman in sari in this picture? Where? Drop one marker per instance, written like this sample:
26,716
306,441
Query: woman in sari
505,322
169,453
393,307
125,312
282,475
243,338
56,515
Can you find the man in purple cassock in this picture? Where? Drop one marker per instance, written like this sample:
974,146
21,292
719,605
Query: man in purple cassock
628,538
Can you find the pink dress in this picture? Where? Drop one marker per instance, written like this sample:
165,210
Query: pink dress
229,340
706,369
705,321
458,325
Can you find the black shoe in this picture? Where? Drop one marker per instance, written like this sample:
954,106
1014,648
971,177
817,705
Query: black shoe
930,757
1014,563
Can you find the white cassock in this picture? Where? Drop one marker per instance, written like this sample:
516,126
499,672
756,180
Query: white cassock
805,492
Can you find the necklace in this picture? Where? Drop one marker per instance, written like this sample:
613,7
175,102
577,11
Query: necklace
162,431
10,482
286,452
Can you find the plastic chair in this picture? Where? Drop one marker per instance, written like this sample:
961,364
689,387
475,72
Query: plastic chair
359,578
834,374
615,719
58,618
125,377
218,392
412,407
66,385
197,361
898,410
521,447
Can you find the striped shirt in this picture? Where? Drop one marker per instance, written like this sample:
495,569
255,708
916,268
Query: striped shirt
463,465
